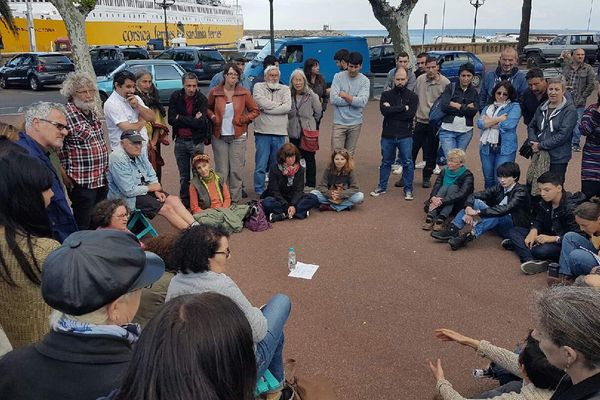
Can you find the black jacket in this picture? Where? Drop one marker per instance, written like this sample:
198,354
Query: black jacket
588,389
65,366
453,92
529,103
562,220
278,186
465,184
517,205
398,117
201,127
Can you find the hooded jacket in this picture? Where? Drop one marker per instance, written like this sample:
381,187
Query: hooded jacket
491,78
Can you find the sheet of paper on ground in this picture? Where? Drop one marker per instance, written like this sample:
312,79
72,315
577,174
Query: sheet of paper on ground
304,271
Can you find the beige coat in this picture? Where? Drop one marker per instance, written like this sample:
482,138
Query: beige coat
274,107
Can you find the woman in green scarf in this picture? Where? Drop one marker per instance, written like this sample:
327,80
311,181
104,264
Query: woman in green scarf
452,187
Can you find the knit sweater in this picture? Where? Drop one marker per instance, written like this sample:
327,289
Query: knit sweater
428,92
506,359
220,283
23,312
274,104
345,113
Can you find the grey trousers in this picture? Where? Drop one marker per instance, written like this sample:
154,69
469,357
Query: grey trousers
444,212
230,159
345,137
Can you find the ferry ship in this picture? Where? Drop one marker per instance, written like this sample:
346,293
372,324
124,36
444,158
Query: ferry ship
128,22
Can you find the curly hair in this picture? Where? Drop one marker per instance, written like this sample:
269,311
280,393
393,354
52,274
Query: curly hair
195,246
75,81
103,212
162,246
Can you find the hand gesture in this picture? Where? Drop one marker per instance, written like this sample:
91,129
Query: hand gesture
198,115
541,239
436,369
448,335
471,105
535,146
468,219
530,239
470,211
454,104
386,104
160,196
291,212
132,100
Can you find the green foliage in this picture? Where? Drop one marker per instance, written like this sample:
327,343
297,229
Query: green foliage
6,16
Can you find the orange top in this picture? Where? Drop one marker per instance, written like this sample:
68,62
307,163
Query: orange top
213,193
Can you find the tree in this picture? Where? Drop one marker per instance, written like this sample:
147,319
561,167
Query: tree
395,20
525,22
6,17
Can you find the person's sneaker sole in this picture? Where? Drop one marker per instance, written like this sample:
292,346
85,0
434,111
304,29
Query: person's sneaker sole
376,193
534,267
409,197
507,244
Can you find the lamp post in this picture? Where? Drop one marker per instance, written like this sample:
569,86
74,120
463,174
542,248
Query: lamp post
165,4
476,4
272,29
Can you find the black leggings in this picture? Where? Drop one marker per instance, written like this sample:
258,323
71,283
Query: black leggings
311,165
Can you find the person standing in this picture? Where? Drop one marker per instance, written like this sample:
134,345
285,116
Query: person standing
349,96
244,82
45,130
580,81
398,106
188,117
270,128
403,61
317,83
590,173
84,154
421,62
507,71
341,59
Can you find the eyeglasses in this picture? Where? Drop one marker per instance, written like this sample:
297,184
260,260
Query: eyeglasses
227,252
232,74
123,215
58,125
501,93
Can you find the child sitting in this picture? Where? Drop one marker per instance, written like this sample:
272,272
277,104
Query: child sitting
497,209
338,189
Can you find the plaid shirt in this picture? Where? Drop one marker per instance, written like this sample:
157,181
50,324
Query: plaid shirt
84,154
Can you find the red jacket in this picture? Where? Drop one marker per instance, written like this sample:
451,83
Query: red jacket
244,109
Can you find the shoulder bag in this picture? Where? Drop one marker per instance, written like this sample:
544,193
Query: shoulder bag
309,139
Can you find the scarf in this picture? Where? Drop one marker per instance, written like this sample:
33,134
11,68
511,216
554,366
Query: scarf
491,135
151,100
287,170
212,177
451,176
130,332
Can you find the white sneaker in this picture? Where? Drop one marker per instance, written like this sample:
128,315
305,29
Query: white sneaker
437,170
397,169
377,192
420,164
408,196
303,162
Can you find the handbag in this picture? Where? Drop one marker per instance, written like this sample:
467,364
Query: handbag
526,150
307,388
436,115
309,139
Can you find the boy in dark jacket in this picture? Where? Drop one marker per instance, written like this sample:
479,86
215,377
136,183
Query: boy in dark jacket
540,245
398,106
498,209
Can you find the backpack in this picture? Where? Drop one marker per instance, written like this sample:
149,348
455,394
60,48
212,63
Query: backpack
436,115
257,220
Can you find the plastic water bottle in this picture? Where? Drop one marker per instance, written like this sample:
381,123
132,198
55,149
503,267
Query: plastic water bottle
291,259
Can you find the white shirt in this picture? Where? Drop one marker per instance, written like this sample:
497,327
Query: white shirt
117,110
227,123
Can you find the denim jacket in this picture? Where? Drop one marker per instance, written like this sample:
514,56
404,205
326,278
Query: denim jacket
128,177
508,129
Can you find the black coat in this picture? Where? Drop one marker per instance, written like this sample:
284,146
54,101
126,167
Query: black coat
466,187
588,389
201,127
280,189
65,366
517,205
398,117
453,92
562,220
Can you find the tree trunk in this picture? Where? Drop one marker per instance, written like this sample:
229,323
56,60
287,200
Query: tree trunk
525,22
395,20
6,17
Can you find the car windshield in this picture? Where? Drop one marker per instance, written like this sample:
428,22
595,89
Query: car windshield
54,59
211,55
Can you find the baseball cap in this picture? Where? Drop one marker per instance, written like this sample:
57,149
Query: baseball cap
133,136
94,268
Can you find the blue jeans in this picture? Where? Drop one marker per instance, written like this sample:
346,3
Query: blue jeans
306,202
498,225
269,351
353,200
184,151
542,252
266,149
454,140
577,255
388,154
491,159
577,129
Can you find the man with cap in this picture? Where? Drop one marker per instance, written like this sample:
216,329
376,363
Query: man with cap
132,178
93,282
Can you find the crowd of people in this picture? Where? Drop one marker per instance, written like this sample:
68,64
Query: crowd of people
68,256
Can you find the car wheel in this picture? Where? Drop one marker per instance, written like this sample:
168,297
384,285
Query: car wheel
34,83
3,83
103,97
534,58
476,80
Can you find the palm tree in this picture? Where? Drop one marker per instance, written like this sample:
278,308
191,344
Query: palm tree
6,16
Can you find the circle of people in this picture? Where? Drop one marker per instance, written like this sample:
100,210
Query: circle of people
53,267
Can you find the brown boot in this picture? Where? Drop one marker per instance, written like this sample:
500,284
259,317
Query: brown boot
561,280
439,225
428,224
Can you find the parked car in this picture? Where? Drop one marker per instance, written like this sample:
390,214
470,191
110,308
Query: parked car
204,62
135,53
538,53
450,61
106,58
293,51
382,58
166,77
35,69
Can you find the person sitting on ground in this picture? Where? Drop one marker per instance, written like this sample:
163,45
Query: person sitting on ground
201,254
223,362
568,331
578,254
338,189
452,187
540,378
132,178
496,209
540,245
95,294
285,197
210,199
25,242
110,214
592,280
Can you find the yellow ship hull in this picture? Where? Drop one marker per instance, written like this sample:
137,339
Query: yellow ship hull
117,33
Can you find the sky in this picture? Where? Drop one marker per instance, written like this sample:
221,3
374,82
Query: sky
549,15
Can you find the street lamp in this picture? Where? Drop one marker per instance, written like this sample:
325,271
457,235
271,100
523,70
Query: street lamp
272,31
165,4
476,4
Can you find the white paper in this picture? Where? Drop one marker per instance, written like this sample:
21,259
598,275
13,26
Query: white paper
303,271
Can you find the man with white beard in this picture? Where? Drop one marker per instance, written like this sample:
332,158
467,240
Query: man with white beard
84,155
